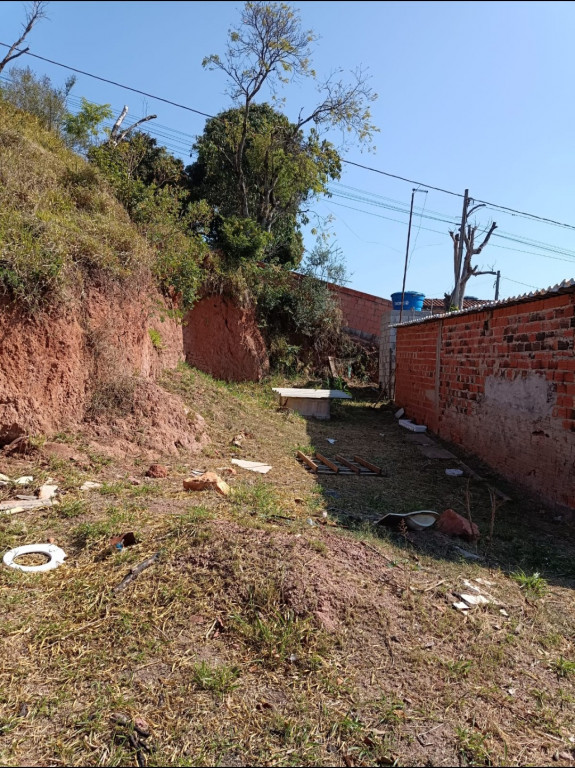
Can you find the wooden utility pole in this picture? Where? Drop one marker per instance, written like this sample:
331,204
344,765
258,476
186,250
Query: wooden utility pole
413,191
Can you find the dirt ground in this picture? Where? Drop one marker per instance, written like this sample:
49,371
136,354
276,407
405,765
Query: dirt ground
282,625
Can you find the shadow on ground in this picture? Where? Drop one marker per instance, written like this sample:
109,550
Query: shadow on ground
528,535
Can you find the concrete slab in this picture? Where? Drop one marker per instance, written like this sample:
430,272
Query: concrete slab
435,452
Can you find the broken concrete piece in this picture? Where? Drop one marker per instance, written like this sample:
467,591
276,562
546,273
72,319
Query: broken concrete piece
14,507
4,478
399,414
90,486
47,491
205,481
330,440
157,470
253,466
467,555
463,607
454,472
475,599
453,524
238,440
408,424
24,480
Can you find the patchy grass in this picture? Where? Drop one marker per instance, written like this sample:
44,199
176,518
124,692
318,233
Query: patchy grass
258,638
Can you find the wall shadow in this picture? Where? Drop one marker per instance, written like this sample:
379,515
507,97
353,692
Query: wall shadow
529,535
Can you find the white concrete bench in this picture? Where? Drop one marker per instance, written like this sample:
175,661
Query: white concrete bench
310,402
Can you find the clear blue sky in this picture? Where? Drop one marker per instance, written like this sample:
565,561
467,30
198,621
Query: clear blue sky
471,94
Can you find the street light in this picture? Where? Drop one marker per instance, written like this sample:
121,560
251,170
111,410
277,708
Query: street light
413,191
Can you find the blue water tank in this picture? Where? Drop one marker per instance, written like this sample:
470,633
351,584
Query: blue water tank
411,300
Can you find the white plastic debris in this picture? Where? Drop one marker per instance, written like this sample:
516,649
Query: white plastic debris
90,486
399,414
408,424
24,480
4,478
56,555
330,440
253,466
454,472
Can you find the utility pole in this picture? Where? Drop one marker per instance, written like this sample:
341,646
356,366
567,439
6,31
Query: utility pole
413,191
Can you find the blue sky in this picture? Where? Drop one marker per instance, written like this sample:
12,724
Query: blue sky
474,95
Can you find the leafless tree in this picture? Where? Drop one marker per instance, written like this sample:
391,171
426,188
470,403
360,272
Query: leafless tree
467,270
117,135
36,11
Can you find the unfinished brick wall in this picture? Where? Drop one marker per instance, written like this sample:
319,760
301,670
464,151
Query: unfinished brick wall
500,383
362,312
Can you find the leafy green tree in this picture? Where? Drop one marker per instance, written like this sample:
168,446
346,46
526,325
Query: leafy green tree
282,171
83,129
252,161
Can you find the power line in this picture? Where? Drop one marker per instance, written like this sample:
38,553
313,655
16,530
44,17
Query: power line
348,162
112,82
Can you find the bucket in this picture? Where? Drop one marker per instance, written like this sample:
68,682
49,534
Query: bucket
411,300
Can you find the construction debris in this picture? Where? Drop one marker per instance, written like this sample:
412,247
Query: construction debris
90,486
408,424
15,507
453,524
206,481
24,480
157,471
454,472
320,465
253,466
47,491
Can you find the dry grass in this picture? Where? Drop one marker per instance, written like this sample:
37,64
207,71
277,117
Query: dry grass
59,223
258,638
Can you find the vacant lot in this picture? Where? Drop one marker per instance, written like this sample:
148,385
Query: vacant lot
280,625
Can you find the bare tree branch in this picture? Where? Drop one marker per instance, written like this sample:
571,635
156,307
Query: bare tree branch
116,137
35,13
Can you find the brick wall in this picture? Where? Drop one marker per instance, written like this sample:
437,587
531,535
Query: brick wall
362,312
500,383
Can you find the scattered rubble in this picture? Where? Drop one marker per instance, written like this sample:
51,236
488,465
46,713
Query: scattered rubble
24,480
453,524
157,471
89,485
253,466
454,472
408,424
47,491
206,481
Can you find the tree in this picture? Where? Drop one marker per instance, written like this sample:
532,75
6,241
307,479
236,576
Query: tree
281,169
38,96
83,128
270,49
467,269
35,13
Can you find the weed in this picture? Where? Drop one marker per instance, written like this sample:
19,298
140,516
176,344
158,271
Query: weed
220,679
459,668
534,585
390,710
471,747
156,339
72,508
563,667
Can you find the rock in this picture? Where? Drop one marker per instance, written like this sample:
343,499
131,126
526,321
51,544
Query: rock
205,481
238,440
475,599
453,524
141,727
157,470
120,719
134,481
230,471
4,478
47,491
89,485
